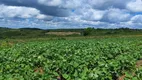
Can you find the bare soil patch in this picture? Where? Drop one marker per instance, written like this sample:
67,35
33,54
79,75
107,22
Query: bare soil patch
63,33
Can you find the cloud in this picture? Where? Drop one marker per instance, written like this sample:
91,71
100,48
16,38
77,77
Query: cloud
117,15
135,5
50,2
63,8
44,9
105,4
137,19
62,3
71,13
21,12
91,14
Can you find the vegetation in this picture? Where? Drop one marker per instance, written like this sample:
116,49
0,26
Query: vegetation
96,54
119,31
90,59
39,33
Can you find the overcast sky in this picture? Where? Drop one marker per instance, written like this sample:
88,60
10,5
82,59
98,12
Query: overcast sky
71,13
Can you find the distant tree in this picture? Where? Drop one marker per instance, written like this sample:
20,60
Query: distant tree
1,37
30,29
87,31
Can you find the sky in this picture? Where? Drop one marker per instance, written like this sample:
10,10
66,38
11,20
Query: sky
55,14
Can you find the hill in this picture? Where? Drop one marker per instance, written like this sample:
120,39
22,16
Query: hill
37,33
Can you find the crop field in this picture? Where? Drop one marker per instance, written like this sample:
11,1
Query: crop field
87,59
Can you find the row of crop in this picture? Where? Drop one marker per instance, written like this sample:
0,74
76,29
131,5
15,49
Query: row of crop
77,60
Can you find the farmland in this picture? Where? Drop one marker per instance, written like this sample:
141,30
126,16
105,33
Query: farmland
69,59
70,39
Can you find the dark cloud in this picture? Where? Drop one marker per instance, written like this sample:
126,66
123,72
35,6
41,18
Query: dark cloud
47,10
54,11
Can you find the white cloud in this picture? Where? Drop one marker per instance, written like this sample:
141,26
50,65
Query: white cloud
135,6
137,19
50,2
72,3
105,4
44,17
86,12
13,11
117,15
91,14
21,12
